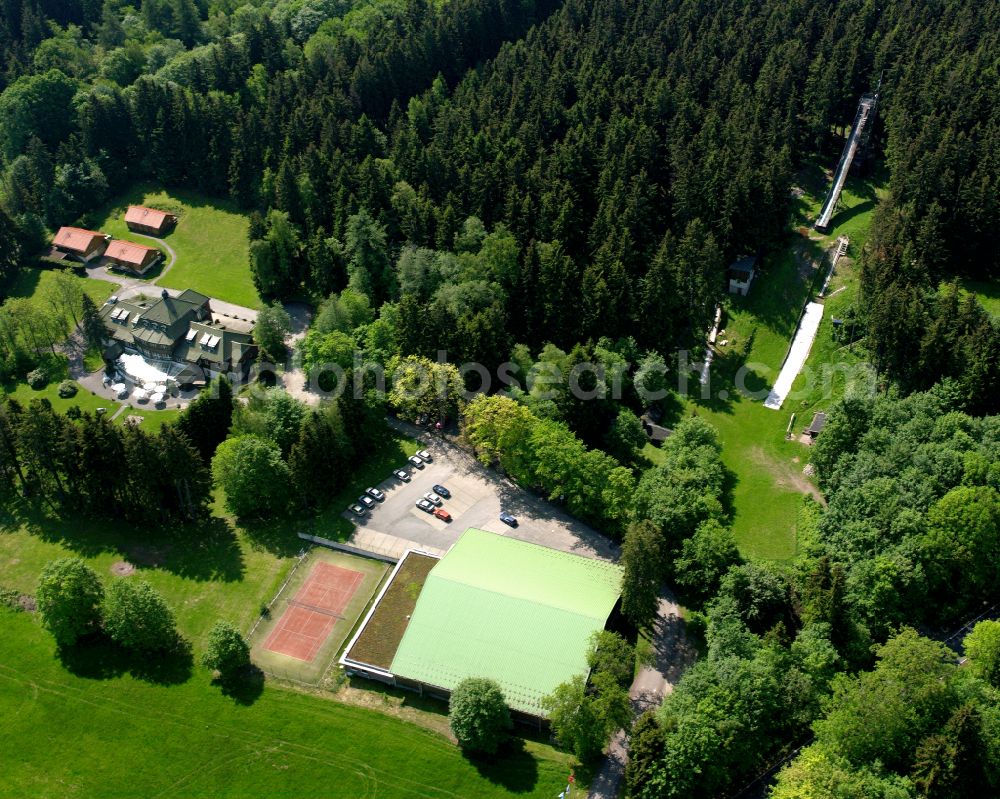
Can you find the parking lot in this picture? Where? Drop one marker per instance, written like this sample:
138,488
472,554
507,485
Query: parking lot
477,498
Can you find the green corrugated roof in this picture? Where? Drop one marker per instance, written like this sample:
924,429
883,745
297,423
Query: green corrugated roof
516,612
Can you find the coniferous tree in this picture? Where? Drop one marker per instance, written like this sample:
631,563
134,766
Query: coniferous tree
207,420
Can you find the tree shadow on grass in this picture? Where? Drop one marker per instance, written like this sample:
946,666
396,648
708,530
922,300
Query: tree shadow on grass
843,217
728,499
97,657
244,688
276,536
512,767
207,550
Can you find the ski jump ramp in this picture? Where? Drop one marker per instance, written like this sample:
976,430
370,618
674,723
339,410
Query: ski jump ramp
797,355
861,121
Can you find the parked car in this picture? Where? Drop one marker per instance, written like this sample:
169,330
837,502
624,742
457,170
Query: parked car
416,461
442,514
433,498
367,501
425,506
357,510
508,519
402,474
444,492
424,455
374,493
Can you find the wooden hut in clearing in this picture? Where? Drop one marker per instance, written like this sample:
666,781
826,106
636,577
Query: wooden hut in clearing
135,258
85,245
150,221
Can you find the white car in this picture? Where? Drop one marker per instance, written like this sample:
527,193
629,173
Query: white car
425,506
416,461
424,455
367,501
374,493
402,475
433,498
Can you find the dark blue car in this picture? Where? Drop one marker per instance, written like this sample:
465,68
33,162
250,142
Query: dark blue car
508,518
442,491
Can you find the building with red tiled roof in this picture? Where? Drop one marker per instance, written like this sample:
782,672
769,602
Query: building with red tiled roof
83,244
149,220
135,258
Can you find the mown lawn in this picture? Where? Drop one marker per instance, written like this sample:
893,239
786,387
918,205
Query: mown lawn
152,419
205,574
767,484
210,239
92,730
84,400
35,285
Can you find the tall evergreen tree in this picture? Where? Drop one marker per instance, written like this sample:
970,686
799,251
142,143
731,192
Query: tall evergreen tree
207,420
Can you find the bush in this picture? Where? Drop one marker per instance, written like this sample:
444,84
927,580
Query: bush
38,379
478,715
69,598
137,617
609,653
228,651
67,389
583,720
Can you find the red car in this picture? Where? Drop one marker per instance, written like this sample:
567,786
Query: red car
442,514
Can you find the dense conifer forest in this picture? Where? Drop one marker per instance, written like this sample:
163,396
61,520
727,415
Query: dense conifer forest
629,150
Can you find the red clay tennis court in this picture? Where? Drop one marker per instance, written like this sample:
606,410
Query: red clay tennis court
314,611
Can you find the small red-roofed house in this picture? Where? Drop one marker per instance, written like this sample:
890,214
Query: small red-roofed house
151,221
135,258
79,243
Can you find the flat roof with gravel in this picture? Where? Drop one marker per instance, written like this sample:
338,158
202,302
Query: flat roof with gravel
518,613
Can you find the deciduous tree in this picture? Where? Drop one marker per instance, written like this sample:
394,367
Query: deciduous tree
478,715
137,616
69,599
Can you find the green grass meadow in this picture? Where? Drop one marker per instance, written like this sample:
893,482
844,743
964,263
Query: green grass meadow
210,239
152,419
91,730
35,284
84,400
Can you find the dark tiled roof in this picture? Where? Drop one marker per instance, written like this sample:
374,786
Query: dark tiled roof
181,324
744,265
818,422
